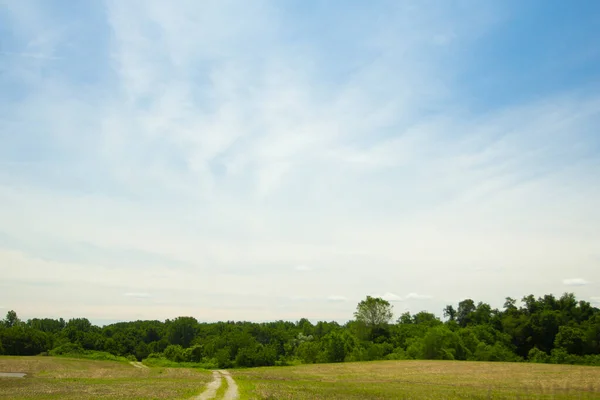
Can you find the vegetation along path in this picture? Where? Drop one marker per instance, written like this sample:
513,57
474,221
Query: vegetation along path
138,364
211,389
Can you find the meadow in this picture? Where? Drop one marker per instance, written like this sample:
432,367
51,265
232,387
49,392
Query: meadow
420,380
71,378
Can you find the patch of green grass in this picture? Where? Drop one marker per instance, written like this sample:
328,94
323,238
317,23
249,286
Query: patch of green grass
165,363
96,355
222,389
420,380
66,378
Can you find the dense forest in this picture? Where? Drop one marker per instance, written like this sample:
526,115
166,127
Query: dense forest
543,330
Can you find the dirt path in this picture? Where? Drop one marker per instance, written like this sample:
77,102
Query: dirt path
211,389
232,389
138,364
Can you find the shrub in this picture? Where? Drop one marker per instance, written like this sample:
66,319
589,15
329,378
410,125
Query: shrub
536,355
398,354
67,348
174,352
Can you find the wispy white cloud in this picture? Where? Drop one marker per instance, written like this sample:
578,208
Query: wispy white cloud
336,298
390,297
416,296
219,143
575,282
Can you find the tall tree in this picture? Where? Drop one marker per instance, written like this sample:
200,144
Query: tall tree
11,319
374,311
465,309
450,312
182,330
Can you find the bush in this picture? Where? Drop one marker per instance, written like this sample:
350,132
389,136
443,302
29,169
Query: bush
67,348
414,348
560,356
398,354
174,352
75,350
156,360
308,352
223,358
496,352
535,355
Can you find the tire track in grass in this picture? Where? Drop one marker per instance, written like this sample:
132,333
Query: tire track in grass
211,389
232,392
138,364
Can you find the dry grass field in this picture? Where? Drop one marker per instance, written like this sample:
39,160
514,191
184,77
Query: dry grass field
65,378
421,380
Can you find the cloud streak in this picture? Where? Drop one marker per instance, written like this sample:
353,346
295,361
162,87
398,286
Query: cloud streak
575,282
229,149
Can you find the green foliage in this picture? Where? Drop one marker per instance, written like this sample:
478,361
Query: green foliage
542,330
174,353
464,313
21,340
11,319
67,348
182,330
337,345
450,312
440,343
308,352
374,311
537,356
74,350
570,338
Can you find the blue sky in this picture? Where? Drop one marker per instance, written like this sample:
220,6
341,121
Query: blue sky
278,160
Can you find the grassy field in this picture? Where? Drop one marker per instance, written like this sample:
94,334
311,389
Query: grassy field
420,380
65,378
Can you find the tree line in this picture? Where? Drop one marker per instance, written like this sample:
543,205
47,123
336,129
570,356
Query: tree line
543,330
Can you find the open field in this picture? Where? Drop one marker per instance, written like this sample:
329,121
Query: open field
66,378
420,380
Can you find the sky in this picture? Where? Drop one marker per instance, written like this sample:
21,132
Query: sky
266,160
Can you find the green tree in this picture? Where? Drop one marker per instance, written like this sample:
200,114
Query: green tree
338,345
374,311
440,343
482,314
11,319
450,313
571,338
174,352
182,331
426,318
464,313
405,318
510,304
308,352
